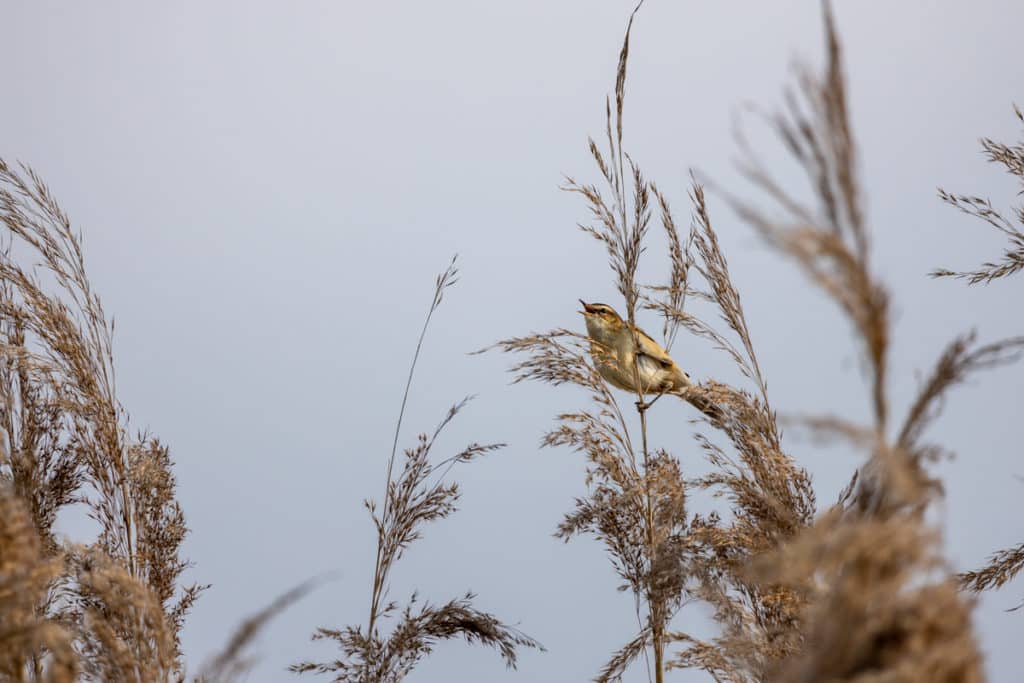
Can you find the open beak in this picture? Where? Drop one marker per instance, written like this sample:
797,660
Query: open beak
586,307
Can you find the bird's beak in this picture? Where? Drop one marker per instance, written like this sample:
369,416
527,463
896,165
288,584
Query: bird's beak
586,307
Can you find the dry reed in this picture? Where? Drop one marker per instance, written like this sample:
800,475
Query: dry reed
32,647
415,495
636,501
68,444
857,591
1005,564
1011,158
879,601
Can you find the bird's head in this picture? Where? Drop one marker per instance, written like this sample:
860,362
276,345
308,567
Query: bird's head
602,320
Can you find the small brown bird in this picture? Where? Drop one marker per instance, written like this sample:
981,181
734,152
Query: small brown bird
622,362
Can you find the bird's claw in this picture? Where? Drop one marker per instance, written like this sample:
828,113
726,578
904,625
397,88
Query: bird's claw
642,406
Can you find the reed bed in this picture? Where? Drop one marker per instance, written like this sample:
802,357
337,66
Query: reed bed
854,589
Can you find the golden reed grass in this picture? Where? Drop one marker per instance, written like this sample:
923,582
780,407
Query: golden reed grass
415,495
855,590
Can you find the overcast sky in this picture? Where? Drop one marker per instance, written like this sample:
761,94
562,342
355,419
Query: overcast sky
266,192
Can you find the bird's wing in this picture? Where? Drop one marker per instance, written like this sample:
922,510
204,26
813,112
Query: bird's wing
650,351
653,360
649,367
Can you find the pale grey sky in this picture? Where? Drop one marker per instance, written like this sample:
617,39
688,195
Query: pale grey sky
266,191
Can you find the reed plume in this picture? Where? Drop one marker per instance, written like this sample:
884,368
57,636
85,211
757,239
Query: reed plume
68,444
1011,158
636,506
33,647
853,591
1003,565
415,495
879,601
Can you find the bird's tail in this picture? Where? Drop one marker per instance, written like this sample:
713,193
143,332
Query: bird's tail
695,397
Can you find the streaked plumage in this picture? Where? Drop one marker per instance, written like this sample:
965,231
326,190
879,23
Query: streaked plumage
621,360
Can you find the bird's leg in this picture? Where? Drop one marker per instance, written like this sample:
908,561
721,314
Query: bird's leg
642,407
660,394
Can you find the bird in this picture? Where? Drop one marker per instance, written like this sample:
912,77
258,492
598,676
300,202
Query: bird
625,355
